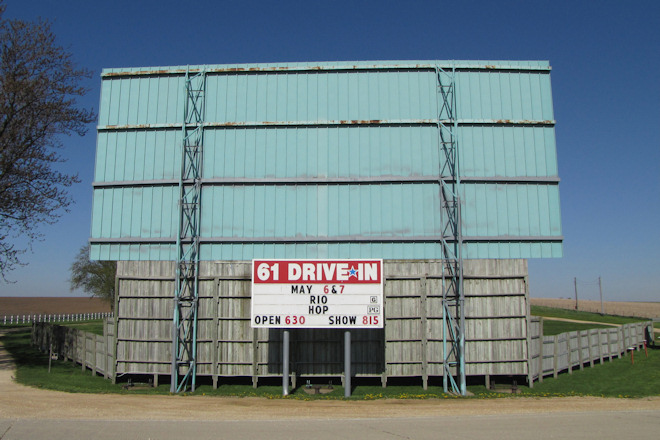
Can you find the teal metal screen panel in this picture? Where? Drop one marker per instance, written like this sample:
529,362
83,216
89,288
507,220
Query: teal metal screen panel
329,160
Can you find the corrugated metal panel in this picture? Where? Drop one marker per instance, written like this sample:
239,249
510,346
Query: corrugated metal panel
492,210
327,152
329,169
372,152
397,210
145,212
489,151
504,95
139,101
139,155
322,152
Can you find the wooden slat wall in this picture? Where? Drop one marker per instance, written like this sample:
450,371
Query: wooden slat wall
89,350
411,345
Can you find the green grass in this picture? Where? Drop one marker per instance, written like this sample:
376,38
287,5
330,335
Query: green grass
619,378
582,316
612,379
551,328
32,368
92,326
95,326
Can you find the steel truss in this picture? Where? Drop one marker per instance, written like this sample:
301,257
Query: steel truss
184,331
453,312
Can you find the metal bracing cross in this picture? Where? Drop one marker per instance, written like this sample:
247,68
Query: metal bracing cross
453,313
184,331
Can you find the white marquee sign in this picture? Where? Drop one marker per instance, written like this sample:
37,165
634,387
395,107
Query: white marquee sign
317,293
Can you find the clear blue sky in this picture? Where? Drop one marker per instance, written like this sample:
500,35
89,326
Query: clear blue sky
606,88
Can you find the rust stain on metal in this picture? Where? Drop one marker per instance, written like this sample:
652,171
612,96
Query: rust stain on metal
524,122
265,69
144,72
360,121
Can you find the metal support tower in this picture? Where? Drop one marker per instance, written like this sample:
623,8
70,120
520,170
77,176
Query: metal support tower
184,331
453,314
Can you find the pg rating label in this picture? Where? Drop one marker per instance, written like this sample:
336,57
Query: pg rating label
317,293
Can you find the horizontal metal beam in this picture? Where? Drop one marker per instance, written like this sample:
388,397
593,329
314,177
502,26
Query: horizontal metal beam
247,69
337,239
220,181
514,238
388,277
333,123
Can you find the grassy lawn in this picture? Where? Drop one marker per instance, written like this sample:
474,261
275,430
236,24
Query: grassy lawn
612,379
582,316
619,378
551,328
92,326
95,326
32,368
556,327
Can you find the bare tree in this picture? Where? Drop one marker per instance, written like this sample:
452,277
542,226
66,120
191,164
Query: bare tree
96,278
39,84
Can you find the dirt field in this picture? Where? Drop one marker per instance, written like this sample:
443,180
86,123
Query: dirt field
636,309
51,306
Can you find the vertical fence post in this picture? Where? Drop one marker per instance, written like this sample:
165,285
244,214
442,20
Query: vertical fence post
541,350
580,350
624,340
94,345
556,356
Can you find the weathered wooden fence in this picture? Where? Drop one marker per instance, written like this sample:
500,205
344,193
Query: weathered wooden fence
91,351
550,355
410,345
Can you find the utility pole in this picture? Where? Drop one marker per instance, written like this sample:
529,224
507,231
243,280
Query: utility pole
600,287
576,297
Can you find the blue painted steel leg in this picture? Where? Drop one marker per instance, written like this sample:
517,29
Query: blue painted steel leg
184,332
453,315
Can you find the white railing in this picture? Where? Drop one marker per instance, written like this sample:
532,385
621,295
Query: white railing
62,317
